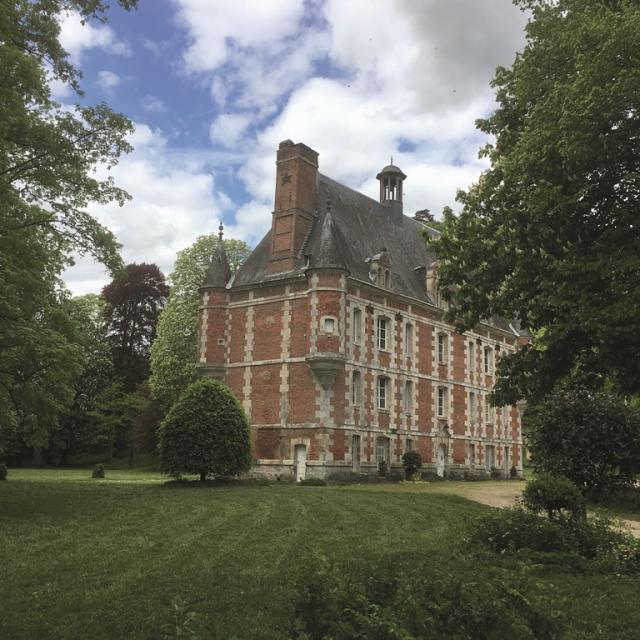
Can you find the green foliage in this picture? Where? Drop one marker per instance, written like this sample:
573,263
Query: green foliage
549,234
313,482
406,598
185,623
412,463
592,438
98,471
48,162
4,471
205,432
133,302
597,540
174,351
554,495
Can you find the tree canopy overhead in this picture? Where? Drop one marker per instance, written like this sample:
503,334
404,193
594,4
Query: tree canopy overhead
550,234
48,157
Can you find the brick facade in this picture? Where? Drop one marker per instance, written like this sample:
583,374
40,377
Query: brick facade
303,352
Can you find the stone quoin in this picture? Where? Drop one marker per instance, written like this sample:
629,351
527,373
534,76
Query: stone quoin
332,335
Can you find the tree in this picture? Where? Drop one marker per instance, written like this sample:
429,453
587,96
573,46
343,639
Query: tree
205,432
549,235
412,463
590,437
174,351
47,160
133,302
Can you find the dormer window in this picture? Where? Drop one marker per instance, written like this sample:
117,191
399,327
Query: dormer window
380,269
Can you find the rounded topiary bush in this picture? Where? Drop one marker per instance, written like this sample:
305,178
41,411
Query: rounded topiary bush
98,471
206,432
4,471
412,463
554,495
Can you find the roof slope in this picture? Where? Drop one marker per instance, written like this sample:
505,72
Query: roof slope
351,227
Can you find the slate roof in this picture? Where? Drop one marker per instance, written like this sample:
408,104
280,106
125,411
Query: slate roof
349,229
219,271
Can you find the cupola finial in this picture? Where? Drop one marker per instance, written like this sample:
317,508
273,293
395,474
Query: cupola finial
220,231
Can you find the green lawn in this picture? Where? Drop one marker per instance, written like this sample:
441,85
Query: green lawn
98,559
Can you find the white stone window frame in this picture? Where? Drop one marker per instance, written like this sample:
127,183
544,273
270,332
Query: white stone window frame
356,389
471,346
489,412
473,406
442,347
383,383
323,330
487,360
356,324
409,336
472,454
442,412
388,332
407,397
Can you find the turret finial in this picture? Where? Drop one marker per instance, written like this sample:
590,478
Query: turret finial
220,231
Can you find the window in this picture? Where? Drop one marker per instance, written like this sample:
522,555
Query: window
355,452
356,389
442,348
382,333
387,278
442,402
489,412
473,407
472,453
408,445
490,456
357,325
408,339
382,450
472,357
505,416
505,459
488,361
383,393
408,396
329,325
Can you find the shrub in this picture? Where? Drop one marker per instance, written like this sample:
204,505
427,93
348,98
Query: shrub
401,599
4,471
313,482
496,474
412,463
592,438
382,468
98,471
515,529
555,495
513,472
205,432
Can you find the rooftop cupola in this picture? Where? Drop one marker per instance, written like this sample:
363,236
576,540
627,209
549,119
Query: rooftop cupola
391,179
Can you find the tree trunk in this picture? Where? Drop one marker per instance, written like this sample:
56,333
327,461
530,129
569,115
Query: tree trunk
203,476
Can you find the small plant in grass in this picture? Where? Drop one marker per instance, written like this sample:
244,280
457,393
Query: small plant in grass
206,432
4,471
554,495
412,463
313,482
185,623
98,471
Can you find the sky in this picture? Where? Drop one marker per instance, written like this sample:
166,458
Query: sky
213,86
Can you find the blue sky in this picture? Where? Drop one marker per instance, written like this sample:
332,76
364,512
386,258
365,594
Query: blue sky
214,86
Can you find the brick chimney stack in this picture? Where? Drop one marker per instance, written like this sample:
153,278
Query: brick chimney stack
295,203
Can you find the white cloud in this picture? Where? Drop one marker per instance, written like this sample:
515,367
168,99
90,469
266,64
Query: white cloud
249,23
75,37
175,199
108,80
153,104
229,129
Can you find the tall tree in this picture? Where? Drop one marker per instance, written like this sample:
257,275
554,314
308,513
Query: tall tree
550,234
47,161
133,302
173,353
